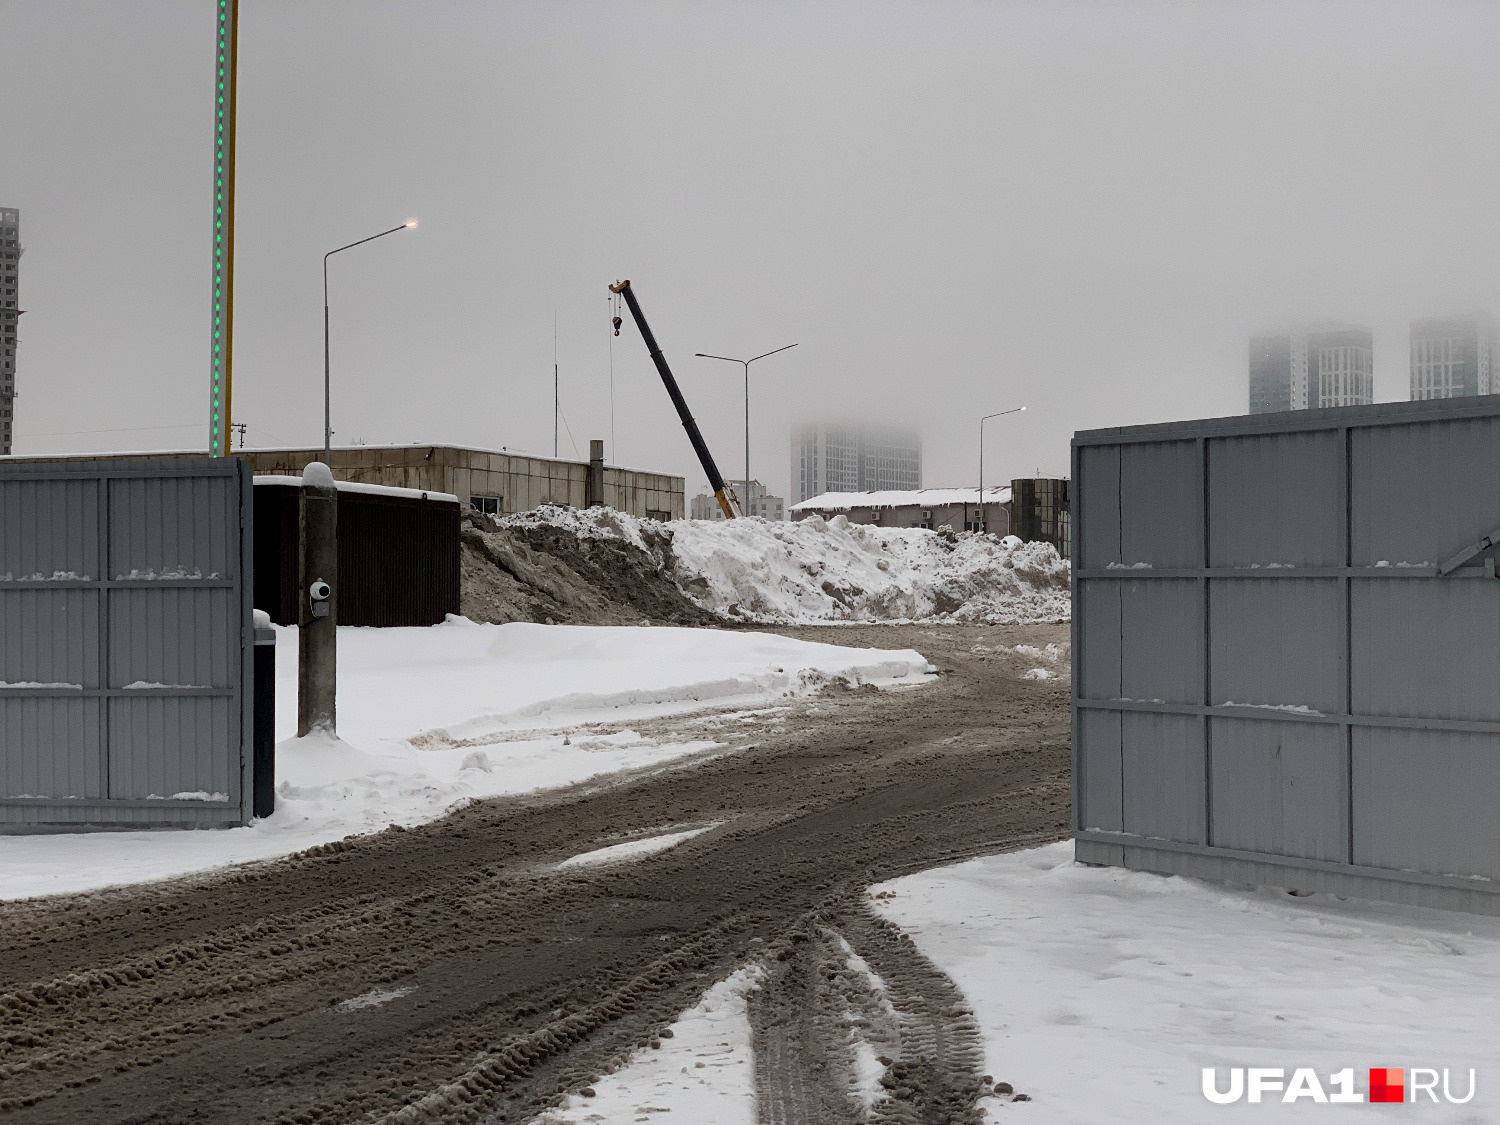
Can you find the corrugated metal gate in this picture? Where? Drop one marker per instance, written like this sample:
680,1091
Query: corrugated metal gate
125,643
1287,650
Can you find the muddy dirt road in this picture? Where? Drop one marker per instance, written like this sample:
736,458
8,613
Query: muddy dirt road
451,973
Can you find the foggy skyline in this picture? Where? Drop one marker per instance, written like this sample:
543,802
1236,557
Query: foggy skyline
952,209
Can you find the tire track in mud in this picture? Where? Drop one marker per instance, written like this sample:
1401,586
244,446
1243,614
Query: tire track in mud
507,983
844,983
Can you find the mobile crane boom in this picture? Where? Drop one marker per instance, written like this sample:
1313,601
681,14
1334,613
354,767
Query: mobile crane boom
728,502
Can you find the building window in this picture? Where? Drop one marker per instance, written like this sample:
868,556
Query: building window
658,515
489,505
1435,364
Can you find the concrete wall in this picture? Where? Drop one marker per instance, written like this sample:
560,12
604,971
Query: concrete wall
996,516
522,483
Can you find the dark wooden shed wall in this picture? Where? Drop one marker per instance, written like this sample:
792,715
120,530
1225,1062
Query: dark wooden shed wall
398,557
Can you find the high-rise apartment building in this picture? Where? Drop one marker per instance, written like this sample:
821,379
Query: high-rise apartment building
10,287
754,501
1308,369
845,458
1453,356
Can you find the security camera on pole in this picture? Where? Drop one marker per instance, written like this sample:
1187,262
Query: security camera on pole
317,619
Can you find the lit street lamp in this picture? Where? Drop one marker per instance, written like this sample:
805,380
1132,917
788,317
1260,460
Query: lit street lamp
747,363
979,517
327,414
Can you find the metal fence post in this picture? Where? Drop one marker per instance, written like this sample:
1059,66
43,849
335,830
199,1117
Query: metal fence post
264,731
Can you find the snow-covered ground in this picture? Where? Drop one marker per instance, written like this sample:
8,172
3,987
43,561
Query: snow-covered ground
1103,993
817,571
431,717
704,1074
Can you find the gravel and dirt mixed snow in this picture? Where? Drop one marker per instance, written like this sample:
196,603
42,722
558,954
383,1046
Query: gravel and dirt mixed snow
546,957
1099,994
601,565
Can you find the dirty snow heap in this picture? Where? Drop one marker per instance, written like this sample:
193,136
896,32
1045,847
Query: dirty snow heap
600,564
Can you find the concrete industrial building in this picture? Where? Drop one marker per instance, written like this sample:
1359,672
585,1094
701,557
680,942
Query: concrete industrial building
930,508
754,498
847,458
10,313
1038,510
1454,356
1307,369
489,481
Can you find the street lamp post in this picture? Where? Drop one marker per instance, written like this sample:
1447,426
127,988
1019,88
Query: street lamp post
979,517
746,363
327,412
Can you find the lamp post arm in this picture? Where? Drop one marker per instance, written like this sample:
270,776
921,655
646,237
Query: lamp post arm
763,355
979,508
746,364
327,393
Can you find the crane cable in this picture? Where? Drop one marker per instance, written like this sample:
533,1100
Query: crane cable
614,299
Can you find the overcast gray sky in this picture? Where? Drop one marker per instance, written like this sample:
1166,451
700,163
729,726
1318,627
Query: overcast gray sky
952,208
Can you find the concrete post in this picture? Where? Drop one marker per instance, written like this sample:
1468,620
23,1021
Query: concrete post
593,491
317,594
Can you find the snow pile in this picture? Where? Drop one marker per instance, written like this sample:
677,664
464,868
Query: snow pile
432,717
817,570
1104,993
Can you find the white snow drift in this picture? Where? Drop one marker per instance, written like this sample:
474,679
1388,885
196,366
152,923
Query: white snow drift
431,717
815,570
1104,993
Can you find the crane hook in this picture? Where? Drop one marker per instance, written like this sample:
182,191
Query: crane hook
617,323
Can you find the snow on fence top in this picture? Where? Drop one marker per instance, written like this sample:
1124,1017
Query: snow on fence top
901,498
359,486
829,570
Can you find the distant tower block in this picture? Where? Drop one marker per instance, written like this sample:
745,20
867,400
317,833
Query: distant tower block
1454,356
830,457
1306,369
10,295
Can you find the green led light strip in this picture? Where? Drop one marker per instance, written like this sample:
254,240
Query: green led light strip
221,384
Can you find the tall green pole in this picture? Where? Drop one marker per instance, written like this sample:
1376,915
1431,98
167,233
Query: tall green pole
221,385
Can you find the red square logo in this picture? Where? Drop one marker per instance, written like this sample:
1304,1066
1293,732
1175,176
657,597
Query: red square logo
1387,1084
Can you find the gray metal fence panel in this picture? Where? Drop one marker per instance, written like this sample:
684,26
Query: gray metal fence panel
125,642
70,728
1102,805
1427,800
47,528
1423,491
1162,776
1284,669
1098,657
1159,523
1161,641
1099,544
1426,649
1307,674
1278,787
1268,504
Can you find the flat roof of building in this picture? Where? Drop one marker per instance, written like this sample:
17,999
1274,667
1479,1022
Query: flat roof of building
368,489
901,498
